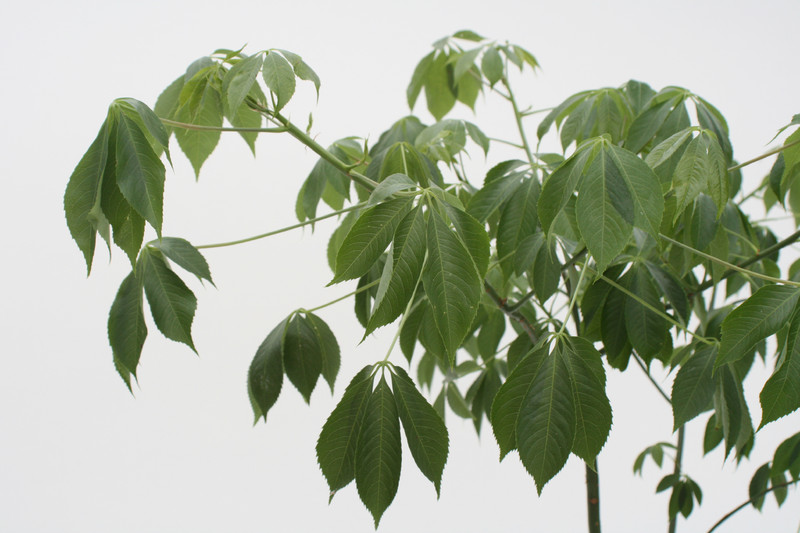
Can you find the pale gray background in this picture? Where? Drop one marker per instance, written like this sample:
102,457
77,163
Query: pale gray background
79,453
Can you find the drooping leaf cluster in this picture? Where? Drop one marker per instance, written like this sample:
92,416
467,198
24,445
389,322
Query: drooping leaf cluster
630,245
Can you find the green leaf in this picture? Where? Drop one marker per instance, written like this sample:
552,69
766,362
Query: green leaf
492,65
612,329
457,402
438,87
265,377
644,188
184,255
418,79
758,485
451,284
546,421
408,256
464,63
668,147
378,454
168,101
425,431
171,302
670,287
127,330
369,237
329,348
202,106
473,235
693,388
83,194
560,186
388,186
302,355
781,393
246,117
518,220
495,191
731,407
587,381
647,331
761,315
646,125
605,210
545,274
468,35
279,78
239,80
301,69
140,173
150,120
490,334
336,446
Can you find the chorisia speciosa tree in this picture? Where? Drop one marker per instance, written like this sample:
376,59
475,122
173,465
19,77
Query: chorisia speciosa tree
521,285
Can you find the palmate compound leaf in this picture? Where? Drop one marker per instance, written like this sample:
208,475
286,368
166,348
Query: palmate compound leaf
265,377
761,315
83,194
507,401
425,431
693,388
587,381
451,284
127,330
368,238
781,393
336,446
171,302
379,452
140,173
302,355
406,261
546,422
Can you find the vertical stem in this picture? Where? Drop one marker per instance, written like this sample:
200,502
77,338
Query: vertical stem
593,498
520,128
673,522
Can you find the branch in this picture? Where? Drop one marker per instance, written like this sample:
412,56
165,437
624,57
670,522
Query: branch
764,156
512,314
751,500
198,127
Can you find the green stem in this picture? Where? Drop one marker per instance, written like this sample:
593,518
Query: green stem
764,156
318,149
282,230
572,300
751,500
339,299
673,522
518,119
513,315
652,381
198,127
730,266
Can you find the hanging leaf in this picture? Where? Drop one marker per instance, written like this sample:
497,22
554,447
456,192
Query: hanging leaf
425,431
127,330
518,220
438,87
302,355
265,377
647,331
201,105
184,255
781,393
83,194
451,284
644,188
329,348
378,453
140,174
560,186
694,386
761,315
336,446
369,237
171,302
301,69
279,78
546,421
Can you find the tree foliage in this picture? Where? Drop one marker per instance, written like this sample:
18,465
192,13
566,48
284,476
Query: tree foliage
630,247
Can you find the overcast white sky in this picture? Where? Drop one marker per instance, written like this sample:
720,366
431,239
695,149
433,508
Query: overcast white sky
79,453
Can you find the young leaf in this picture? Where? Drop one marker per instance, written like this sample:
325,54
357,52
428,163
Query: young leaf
265,377
781,393
301,69
171,302
425,431
239,80
127,330
368,238
329,348
185,256
438,87
492,65
418,79
378,453
336,446
408,255
201,105
546,421
587,381
694,387
451,284
83,194
761,315
302,355
279,78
